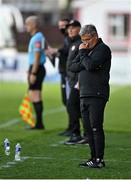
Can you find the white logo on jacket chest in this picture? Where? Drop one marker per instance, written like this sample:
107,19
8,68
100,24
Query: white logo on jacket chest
73,48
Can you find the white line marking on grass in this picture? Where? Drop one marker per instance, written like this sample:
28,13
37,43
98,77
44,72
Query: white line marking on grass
14,163
11,162
5,166
49,112
114,160
8,164
55,110
63,143
9,123
17,120
39,157
58,143
124,149
73,159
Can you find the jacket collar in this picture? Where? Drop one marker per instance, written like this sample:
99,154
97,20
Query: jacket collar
98,42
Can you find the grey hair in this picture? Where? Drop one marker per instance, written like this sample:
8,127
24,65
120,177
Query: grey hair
34,19
88,29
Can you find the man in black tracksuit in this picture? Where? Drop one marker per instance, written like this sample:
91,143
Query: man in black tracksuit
93,64
62,55
73,100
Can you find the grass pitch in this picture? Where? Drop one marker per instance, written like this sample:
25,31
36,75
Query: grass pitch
44,156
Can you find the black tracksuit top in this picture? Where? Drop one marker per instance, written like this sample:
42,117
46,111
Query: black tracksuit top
73,52
63,54
93,67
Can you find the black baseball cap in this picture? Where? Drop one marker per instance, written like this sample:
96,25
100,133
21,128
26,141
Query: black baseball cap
74,23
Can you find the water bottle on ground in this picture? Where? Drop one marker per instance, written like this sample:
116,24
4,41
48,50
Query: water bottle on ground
17,152
7,146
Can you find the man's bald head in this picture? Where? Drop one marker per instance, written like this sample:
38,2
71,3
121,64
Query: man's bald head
32,24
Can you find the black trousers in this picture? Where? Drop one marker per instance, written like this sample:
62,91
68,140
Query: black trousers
92,111
64,99
73,107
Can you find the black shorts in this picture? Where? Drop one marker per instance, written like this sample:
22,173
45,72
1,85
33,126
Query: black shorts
39,78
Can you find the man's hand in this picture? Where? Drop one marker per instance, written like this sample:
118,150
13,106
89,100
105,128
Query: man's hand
32,78
50,52
83,46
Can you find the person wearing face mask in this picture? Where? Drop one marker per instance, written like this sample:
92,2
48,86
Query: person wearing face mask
62,54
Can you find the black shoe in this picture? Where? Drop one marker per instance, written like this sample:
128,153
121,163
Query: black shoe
65,133
84,141
73,140
100,163
91,163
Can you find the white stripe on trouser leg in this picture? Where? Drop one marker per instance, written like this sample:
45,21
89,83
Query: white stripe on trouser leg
68,89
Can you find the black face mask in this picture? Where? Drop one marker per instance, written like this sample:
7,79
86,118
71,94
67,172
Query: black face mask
63,31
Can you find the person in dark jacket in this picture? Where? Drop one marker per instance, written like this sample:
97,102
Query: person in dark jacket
73,99
93,65
62,54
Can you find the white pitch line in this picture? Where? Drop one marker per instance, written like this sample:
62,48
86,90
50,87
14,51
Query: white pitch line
74,159
55,110
49,112
53,158
9,123
17,120
11,162
8,165
78,145
124,149
63,143
58,143
14,163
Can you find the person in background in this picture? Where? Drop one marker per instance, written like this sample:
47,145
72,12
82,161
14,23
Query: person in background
62,54
36,72
73,99
93,65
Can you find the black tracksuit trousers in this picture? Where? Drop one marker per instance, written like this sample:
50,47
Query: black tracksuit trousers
64,100
73,107
92,111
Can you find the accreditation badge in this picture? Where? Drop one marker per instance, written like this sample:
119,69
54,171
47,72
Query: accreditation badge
73,48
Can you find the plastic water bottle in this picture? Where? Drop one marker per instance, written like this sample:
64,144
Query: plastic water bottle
7,146
17,152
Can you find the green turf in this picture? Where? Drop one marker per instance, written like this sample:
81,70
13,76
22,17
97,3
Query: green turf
44,155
